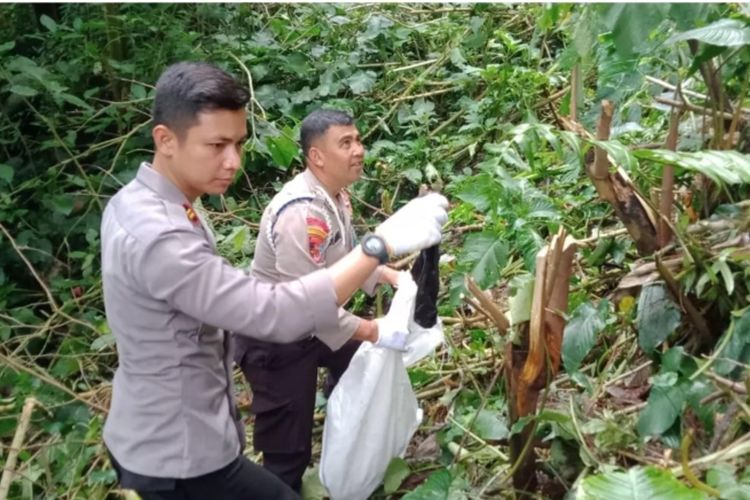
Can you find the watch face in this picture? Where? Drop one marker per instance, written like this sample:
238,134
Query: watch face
374,245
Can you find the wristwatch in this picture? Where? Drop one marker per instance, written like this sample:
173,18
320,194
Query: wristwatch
374,246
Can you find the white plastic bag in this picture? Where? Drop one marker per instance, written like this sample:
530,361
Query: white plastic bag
372,413
422,342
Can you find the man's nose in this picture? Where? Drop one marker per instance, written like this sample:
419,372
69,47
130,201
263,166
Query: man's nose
233,158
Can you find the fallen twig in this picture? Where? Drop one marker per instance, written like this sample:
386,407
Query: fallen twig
488,307
15,447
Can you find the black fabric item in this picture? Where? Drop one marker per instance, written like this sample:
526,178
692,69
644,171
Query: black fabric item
240,480
426,273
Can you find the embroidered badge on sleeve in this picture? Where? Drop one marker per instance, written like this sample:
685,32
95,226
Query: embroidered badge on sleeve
317,233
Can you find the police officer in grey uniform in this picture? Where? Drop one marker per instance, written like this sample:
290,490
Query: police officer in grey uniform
171,301
307,227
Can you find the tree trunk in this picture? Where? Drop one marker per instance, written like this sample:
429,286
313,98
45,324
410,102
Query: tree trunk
619,191
535,362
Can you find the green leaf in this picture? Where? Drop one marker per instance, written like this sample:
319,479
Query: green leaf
488,254
103,342
685,15
440,485
62,203
48,23
723,167
23,90
361,81
658,317
664,405
521,299
282,149
490,425
580,333
637,483
631,25
5,47
725,33
620,155
397,471
413,174
75,101
6,173
726,274
721,477
737,348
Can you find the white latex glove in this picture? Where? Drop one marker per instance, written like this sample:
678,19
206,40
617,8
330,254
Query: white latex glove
389,336
416,225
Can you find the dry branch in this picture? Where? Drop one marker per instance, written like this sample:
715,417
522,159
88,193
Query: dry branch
667,182
15,447
617,189
488,307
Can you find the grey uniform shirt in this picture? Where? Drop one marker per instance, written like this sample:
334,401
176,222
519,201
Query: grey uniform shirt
302,230
169,299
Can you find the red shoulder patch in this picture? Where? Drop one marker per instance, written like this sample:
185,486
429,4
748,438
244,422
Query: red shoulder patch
190,212
317,233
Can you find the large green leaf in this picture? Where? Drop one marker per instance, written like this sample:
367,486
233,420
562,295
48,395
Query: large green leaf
6,173
581,331
619,154
737,348
664,405
725,33
488,254
723,167
685,15
441,485
632,23
397,471
721,477
362,81
490,424
650,483
658,317
282,149
23,90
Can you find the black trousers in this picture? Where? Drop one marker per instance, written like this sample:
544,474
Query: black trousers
283,378
240,480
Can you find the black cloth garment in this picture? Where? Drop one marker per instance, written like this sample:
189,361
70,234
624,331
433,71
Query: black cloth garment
426,273
240,480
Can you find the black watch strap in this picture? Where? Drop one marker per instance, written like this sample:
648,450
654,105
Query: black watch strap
374,246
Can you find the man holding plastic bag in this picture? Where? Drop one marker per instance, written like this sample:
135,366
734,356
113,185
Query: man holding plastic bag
306,227
372,413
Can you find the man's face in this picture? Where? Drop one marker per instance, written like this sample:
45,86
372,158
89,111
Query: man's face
340,154
209,154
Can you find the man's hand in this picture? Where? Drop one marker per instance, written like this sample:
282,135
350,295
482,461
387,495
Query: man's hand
389,336
366,331
416,225
389,275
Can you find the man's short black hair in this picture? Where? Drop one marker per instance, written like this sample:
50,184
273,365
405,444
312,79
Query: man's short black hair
317,124
185,89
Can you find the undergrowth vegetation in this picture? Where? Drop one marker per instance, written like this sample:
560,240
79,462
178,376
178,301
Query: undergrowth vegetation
497,106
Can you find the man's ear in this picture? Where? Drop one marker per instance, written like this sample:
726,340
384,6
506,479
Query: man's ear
165,140
315,157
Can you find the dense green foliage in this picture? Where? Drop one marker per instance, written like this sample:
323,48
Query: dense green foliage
468,98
